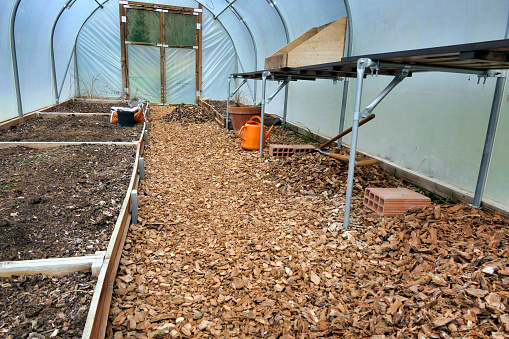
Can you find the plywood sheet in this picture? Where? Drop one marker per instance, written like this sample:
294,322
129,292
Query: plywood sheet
318,45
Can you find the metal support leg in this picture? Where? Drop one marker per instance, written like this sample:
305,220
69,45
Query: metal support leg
228,103
285,110
343,110
361,68
264,85
146,137
490,139
141,166
14,59
134,207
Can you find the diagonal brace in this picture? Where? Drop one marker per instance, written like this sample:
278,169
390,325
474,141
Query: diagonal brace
236,90
397,79
283,85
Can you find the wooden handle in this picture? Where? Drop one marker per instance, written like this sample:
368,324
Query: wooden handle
340,157
364,163
361,163
346,131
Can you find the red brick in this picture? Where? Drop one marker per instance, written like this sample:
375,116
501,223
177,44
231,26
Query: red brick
287,150
393,201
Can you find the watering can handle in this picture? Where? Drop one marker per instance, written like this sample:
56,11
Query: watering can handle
256,116
240,132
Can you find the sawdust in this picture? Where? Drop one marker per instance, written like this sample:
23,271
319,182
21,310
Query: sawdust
233,246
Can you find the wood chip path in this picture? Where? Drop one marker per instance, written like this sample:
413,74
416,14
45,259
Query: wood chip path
231,246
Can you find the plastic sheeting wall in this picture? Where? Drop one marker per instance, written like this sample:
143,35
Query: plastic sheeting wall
437,121
434,123
33,32
144,73
9,107
312,104
180,75
218,58
98,52
66,31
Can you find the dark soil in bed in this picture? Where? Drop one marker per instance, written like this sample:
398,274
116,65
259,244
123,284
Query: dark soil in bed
71,128
60,202
46,306
88,107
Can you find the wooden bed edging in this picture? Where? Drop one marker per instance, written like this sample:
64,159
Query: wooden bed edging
53,266
221,121
15,121
54,144
51,114
97,319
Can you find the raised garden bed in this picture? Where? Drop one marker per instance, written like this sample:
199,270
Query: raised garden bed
81,106
73,128
45,306
64,198
61,202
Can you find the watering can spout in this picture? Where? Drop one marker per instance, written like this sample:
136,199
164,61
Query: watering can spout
277,122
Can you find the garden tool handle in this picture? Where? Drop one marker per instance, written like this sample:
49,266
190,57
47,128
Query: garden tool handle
339,156
346,131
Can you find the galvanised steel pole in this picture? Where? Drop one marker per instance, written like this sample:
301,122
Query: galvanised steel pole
15,59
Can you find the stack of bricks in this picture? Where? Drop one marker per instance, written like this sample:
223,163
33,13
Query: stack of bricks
390,202
288,150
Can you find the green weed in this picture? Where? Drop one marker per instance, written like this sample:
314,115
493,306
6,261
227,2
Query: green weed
6,184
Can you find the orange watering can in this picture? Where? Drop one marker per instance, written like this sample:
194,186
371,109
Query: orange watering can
251,136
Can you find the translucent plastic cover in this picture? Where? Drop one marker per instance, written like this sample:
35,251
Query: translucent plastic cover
9,108
144,73
180,75
98,52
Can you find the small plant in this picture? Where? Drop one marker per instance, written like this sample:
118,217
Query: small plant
436,198
39,158
5,184
42,156
307,136
241,99
89,88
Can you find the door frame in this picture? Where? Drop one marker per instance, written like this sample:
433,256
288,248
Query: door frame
162,9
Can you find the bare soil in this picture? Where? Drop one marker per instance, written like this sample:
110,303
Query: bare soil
234,246
187,113
60,202
88,107
71,128
44,307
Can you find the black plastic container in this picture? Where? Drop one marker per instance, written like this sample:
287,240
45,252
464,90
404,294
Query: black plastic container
125,118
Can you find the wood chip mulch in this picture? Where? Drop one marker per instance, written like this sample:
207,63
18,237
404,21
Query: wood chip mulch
45,307
231,246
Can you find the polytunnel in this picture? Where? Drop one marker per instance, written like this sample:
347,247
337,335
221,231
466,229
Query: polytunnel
361,219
